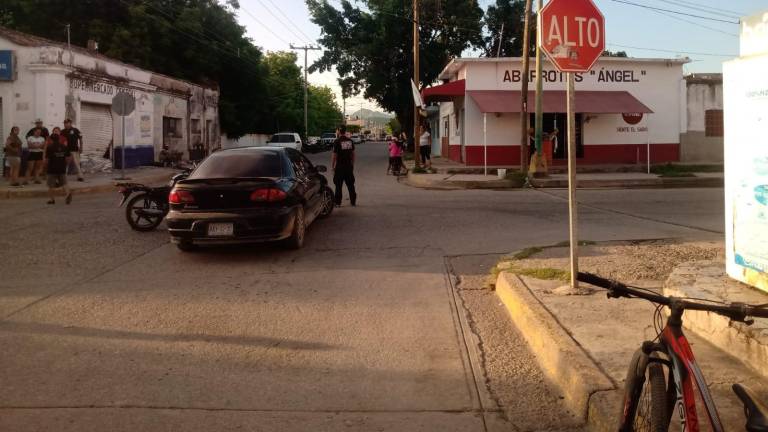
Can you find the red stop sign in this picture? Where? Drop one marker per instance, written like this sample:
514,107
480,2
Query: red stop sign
572,34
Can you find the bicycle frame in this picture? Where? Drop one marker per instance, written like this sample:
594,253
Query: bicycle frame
685,373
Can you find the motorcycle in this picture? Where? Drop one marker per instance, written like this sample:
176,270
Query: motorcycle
146,209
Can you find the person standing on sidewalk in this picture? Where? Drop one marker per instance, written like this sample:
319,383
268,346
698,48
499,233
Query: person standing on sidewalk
343,164
75,145
58,157
13,154
35,146
425,146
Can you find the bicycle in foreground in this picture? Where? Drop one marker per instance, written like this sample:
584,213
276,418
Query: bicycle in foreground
650,399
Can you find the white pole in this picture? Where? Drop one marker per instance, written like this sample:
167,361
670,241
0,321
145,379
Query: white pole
648,142
485,144
572,205
122,161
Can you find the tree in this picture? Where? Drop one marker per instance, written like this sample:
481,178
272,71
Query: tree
371,49
510,13
324,113
614,54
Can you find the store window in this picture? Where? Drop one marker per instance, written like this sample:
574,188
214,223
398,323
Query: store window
172,127
713,123
195,126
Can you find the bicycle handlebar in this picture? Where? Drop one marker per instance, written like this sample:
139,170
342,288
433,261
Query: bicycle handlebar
735,311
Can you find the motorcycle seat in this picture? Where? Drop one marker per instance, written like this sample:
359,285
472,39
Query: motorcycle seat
755,410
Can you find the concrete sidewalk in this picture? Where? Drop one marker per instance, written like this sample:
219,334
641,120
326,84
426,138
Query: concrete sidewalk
94,183
584,341
558,181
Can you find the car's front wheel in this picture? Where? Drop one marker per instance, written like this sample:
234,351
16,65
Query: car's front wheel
296,240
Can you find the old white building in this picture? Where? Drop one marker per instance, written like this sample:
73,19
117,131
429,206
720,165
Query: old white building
40,78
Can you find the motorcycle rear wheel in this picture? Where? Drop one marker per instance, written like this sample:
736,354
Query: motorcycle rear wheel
144,212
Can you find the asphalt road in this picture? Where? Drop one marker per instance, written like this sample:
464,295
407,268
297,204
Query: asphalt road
103,328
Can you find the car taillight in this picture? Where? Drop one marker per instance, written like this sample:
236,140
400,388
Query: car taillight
268,195
180,197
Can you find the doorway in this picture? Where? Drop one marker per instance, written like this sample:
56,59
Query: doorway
559,121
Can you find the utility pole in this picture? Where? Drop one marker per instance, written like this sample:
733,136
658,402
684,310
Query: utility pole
416,81
539,89
69,43
524,90
306,48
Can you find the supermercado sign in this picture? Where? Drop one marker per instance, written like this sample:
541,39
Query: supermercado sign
98,87
603,75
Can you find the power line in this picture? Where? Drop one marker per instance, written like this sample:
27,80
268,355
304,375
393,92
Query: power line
265,26
309,39
675,12
704,8
696,24
672,51
286,26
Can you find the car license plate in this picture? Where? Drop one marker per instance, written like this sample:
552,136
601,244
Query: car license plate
220,229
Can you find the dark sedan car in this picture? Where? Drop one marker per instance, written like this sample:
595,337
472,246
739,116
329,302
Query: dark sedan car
245,195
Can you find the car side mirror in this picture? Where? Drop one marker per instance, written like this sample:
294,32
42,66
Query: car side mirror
321,168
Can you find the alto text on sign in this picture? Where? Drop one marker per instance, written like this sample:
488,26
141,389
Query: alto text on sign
572,34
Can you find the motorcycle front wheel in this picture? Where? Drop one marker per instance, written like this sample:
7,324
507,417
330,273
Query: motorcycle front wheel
144,212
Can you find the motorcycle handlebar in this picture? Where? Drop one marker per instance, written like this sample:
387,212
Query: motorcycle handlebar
734,311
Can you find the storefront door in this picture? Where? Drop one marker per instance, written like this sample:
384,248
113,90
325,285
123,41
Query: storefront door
552,121
96,127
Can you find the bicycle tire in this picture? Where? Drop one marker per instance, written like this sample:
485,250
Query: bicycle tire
645,398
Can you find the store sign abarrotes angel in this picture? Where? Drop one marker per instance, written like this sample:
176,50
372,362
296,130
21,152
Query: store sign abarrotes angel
597,76
6,65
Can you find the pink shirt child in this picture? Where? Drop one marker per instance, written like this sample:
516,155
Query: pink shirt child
394,149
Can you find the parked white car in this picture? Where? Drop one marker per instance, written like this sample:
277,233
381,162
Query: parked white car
356,139
285,139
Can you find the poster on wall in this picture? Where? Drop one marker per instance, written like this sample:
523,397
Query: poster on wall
146,126
746,169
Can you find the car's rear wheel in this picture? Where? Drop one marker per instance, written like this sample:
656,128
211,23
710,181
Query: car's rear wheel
296,240
186,246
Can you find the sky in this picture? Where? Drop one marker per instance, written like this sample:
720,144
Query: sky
640,31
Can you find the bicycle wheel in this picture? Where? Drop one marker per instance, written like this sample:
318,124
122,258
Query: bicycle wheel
645,398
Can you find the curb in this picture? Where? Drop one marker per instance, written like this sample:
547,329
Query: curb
106,187
419,181
661,182
561,358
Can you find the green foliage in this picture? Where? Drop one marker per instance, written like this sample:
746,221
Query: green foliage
512,14
196,40
394,126
371,47
673,170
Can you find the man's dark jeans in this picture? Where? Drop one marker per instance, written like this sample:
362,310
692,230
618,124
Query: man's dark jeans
341,176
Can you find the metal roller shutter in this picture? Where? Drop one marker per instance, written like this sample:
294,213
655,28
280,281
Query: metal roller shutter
96,127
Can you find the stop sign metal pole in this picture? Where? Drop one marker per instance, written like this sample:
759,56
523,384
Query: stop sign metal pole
122,147
572,205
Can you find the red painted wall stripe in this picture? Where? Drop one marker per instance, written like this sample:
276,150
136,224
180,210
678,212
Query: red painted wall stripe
593,154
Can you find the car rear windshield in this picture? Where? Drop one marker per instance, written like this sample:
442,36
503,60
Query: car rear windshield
240,163
329,135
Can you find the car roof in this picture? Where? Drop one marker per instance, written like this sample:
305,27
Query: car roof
285,133
252,149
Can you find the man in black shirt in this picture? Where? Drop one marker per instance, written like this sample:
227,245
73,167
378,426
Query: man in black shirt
74,144
343,163
58,157
38,125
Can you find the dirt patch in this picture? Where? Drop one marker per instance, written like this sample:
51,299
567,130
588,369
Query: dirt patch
625,261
